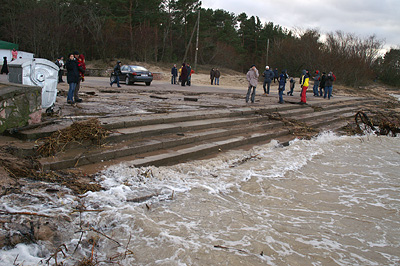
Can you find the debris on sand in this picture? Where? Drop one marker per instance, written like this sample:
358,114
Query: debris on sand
89,130
379,123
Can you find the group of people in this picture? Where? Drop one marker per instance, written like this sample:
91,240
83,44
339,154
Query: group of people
215,74
324,83
184,73
76,68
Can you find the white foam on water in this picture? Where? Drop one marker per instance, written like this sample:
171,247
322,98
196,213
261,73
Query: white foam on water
397,96
328,200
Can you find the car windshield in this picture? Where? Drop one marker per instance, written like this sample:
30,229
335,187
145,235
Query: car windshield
138,68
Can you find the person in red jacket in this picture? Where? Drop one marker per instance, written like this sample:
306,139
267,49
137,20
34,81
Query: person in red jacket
82,68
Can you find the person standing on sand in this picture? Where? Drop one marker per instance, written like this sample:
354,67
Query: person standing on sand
276,75
281,86
60,63
189,74
72,77
292,83
268,76
217,76
212,75
174,74
252,78
184,74
322,84
304,82
316,79
329,85
80,58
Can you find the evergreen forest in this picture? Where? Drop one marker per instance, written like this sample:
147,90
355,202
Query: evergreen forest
166,31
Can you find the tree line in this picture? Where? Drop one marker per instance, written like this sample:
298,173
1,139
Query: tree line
165,31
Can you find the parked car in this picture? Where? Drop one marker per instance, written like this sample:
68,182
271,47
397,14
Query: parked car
131,74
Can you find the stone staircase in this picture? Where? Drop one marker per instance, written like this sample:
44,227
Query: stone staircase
169,138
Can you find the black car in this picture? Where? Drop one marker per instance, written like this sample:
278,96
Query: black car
131,74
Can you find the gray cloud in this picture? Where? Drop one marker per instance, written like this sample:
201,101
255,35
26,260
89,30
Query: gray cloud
363,18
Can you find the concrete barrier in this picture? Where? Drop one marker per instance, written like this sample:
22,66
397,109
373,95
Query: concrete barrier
20,105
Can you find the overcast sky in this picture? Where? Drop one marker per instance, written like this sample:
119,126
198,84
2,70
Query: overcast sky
361,17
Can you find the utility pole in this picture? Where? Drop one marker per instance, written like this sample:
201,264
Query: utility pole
197,40
190,41
266,60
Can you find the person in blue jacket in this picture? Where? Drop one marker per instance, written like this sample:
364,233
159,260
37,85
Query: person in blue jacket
281,87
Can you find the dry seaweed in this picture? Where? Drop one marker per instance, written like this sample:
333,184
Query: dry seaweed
299,129
78,132
30,168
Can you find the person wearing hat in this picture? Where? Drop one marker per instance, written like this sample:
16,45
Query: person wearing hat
268,76
117,72
252,77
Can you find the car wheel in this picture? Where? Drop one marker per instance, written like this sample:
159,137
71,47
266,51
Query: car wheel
148,83
127,81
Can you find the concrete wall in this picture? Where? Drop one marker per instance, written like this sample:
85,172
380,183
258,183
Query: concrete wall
7,53
20,105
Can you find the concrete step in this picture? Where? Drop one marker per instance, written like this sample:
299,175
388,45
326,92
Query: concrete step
145,139
182,154
82,156
115,123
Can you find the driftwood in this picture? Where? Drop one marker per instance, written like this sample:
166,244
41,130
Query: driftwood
378,123
190,99
25,213
158,97
142,199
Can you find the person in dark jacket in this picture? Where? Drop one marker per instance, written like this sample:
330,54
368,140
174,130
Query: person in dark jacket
268,76
184,74
117,72
72,76
281,87
4,68
174,74
329,85
212,75
322,84
276,75
189,74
